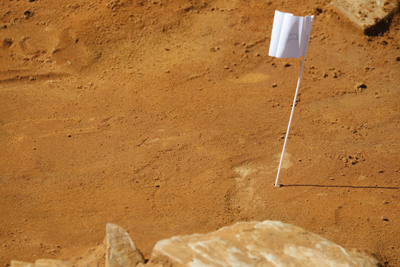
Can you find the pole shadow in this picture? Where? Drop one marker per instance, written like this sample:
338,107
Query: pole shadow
340,186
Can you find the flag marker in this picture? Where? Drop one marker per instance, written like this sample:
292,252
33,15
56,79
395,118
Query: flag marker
289,39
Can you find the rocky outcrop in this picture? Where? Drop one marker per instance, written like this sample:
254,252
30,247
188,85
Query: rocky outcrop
268,243
42,263
373,17
121,251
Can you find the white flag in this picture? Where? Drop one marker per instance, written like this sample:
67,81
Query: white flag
290,35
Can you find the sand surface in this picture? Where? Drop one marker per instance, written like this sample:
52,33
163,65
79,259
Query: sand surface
161,117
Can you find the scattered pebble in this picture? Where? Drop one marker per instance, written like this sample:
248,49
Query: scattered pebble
274,85
360,86
28,14
384,218
287,64
385,202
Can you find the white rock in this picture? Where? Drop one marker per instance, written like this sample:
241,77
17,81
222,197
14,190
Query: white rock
121,251
371,16
267,243
21,264
52,263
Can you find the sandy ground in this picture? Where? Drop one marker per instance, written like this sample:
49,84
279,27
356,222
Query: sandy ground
161,117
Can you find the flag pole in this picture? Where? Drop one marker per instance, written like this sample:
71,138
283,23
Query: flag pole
290,120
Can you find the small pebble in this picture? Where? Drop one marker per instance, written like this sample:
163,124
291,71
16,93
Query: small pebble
360,86
384,218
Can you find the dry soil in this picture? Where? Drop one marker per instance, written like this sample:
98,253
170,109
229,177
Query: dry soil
168,118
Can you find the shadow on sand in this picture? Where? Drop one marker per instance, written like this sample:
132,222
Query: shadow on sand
341,186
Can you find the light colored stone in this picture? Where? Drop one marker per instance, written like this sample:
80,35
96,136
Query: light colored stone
21,264
268,243
372,16
52,263
121,251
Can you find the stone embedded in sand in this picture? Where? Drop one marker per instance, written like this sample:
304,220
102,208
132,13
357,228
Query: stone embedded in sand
267,243
52,263
359,87
121,251
373,17
21,264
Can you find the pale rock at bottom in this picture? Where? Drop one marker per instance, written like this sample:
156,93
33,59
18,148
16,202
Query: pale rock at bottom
121,251
268,243
245,244
42,263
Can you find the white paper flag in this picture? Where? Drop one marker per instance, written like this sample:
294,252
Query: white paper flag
290,35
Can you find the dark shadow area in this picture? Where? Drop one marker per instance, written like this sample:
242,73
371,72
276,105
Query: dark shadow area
382,26
341,186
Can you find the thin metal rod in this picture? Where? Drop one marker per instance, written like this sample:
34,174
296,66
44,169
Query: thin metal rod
290,121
